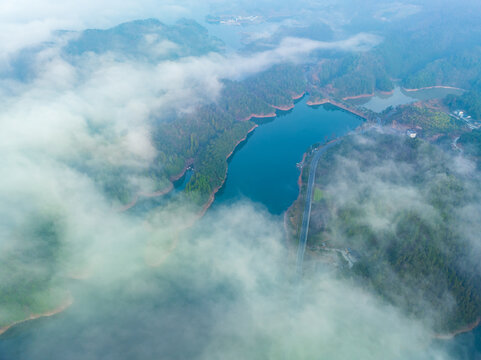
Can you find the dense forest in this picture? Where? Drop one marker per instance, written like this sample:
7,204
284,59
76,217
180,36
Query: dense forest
203,137
471,143
211,131
206,137
403,205
138,38
429,51
398,202
470,102
349,75
461,69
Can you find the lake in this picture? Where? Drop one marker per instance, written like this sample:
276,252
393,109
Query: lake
379,101
167,309
263,169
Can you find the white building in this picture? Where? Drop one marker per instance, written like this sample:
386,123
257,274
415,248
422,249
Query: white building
411,133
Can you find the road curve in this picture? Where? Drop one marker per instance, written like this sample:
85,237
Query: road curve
307,207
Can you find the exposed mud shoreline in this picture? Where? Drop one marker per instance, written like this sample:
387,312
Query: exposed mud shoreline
337,104
162,192
188,164
465,329
362,96
260,116
433,87
58,310
216,190
274,114
147,195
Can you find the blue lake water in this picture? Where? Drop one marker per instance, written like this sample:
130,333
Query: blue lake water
264,170
463,346
168,310
118,324
379,102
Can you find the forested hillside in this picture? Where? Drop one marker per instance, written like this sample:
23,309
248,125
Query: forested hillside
399,203
205,137
350,75
211,130
139,39
471,143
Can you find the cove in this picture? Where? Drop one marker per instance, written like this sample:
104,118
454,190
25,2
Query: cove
399,96
263,168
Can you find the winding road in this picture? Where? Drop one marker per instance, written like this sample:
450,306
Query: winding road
307,207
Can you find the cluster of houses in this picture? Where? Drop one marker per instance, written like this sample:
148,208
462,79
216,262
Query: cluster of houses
462,115
350,256
234,20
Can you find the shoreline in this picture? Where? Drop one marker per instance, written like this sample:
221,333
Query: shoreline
260,116
362,96
337,104
157,193
449,336
167,190
291,106
465,329
209,202
284,107
299,185
432,87
299,96
386,93
55,311
188,163
162,192
197,216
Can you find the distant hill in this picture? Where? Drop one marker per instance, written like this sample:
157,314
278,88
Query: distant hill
149,39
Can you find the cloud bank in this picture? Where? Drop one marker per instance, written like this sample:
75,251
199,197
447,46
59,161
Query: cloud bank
227,292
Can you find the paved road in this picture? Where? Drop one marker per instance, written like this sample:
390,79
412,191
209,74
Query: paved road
307,207
310,187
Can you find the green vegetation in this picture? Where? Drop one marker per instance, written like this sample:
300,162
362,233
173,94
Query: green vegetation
278,85
429,51
211,163
136,39
459,70
28,280
471,143
318,195
417,60
429,122
207,136
240,102
470,102
203,137
349,76
396,201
